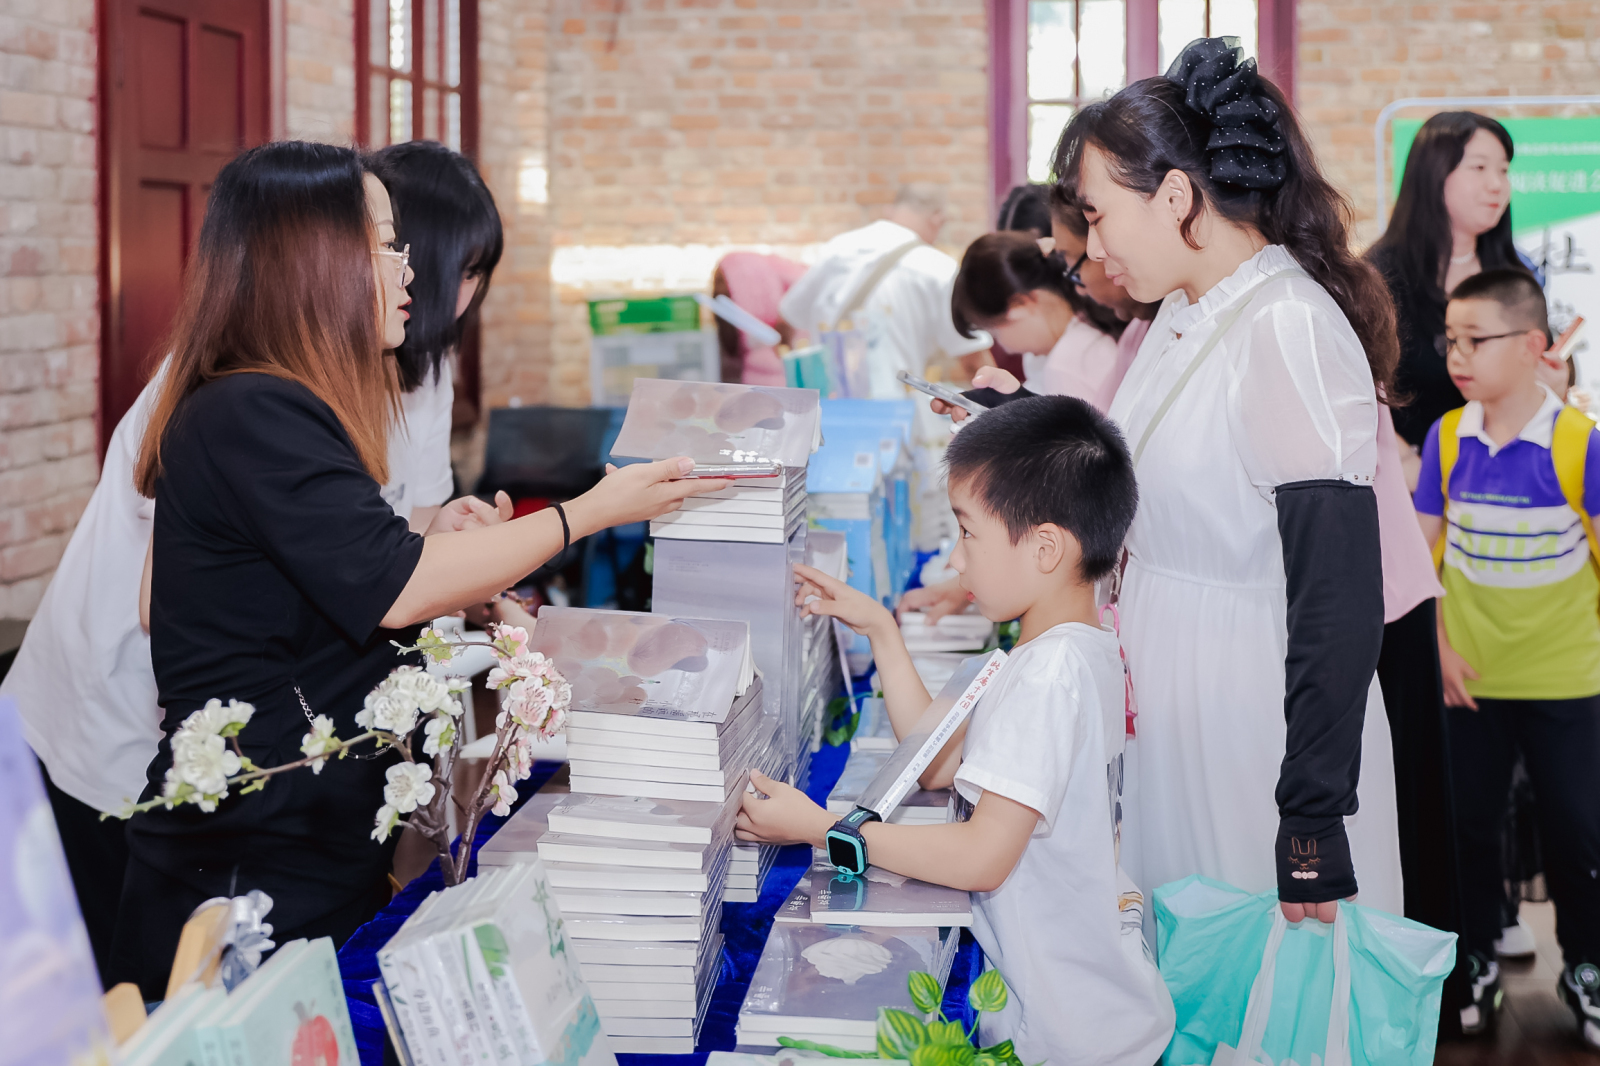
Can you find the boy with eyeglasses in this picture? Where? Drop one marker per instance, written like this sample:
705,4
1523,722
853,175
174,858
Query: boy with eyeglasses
1507,490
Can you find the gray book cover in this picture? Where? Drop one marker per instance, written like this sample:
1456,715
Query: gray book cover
832,980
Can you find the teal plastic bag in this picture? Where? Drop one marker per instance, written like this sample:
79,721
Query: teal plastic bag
1250,988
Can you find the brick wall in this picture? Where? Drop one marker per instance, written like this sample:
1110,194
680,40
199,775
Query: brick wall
1356,57
719,123
49,325
319,70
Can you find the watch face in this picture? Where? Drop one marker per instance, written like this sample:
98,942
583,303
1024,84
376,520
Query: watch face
844,853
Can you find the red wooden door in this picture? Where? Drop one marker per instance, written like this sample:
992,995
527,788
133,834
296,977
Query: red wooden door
185,88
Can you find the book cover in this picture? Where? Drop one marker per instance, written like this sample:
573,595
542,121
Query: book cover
826,980
713,422
883,899
517,840
641,818
300,1017
864,764
639,878
604,851
928,736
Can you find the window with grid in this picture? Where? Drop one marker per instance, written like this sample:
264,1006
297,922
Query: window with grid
418,80
1078,51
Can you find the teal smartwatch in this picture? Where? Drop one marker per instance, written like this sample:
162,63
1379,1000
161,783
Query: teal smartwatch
847,849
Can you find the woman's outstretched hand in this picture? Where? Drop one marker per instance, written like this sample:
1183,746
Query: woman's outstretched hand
988,377
637,493
469,512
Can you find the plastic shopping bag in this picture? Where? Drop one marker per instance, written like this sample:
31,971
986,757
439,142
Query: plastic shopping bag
1250,988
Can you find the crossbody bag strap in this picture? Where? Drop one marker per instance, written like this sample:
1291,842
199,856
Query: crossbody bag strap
1212,341
1569,450
1449,450
875,276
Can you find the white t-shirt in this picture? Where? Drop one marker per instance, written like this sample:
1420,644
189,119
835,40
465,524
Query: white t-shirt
82,679
1064,929
906,319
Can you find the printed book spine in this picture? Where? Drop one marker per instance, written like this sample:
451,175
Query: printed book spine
495,1029
933,730
452,1021
391,1026
415,1007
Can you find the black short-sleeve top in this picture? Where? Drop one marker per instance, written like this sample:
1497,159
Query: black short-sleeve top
275,560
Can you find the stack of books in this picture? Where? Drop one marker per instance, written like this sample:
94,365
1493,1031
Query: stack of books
890,422
482,973
967,632
824,670
879,899
826,982
667,718
731,572
292,1009
757,510
920,807
517,841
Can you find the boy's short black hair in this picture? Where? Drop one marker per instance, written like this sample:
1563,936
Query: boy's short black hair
1516,291
1051,459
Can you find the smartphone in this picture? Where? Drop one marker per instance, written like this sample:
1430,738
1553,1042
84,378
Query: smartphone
942,392
722,470
1568,340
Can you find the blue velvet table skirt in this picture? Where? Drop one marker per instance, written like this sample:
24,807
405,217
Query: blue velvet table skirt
744,931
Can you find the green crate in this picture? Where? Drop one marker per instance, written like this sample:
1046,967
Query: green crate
662,314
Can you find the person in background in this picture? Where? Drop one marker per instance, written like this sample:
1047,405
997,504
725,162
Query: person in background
1026,209
1509,488
1010,288
888,280
1451,219
756,283
446,216
83,681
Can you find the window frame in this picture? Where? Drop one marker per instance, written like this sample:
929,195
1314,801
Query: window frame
467,89
1008,71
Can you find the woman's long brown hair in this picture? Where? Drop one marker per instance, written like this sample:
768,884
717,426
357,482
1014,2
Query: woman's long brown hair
282,284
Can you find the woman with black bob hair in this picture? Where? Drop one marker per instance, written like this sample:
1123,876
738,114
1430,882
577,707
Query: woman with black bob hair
1251,603
279,576
447,217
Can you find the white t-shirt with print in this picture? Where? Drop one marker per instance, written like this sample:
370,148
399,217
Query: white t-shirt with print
83,682
1064,930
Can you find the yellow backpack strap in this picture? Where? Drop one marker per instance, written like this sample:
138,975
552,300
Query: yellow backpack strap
1449,449
1569,451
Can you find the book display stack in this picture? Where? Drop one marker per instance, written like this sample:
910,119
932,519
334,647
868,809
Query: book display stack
292,1009
920,807
482,973
667,717
740,572
825,983
890,423
825,671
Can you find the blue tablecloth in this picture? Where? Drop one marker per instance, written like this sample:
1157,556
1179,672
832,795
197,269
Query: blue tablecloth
744,931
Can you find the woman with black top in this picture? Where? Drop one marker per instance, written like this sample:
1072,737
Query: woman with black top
280,576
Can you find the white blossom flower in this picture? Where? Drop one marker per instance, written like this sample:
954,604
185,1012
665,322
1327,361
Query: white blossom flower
225,719
203,761
319,742
505,794
536,695
394,705
387,819
439,734
409,786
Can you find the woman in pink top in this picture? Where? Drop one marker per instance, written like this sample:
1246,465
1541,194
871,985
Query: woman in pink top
1021,296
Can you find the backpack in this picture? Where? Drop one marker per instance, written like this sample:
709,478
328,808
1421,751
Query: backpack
1569,451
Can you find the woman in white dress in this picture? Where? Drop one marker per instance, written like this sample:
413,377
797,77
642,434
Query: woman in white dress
1252,601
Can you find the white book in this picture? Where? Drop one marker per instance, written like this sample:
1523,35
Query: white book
776,505
688,671
636,878
636,729
928,736
660,854
616,1027
635,927
625,953
713,422
594,736
832,981
920,807
652,789
797,908
603,974
793,483
645,756
641,818
582,902
884,900
644,1008
653,1045
658,991
717,516
739,534
517,841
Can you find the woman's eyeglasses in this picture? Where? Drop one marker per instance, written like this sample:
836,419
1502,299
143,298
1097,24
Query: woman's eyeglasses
1073,276
402,257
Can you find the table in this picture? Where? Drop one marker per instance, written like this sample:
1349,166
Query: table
744,930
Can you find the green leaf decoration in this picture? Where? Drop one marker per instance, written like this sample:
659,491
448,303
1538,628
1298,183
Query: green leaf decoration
925,991
843,719
899,1032
824,1049
947,1034
1004,1052
943,1055
983,1058
988,992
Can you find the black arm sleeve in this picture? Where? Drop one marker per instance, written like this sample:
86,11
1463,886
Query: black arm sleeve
1333,565
992,398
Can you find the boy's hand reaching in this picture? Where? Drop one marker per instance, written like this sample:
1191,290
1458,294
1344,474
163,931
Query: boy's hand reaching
786,816
824,595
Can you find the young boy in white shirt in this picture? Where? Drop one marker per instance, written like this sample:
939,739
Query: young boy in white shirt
1044,492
